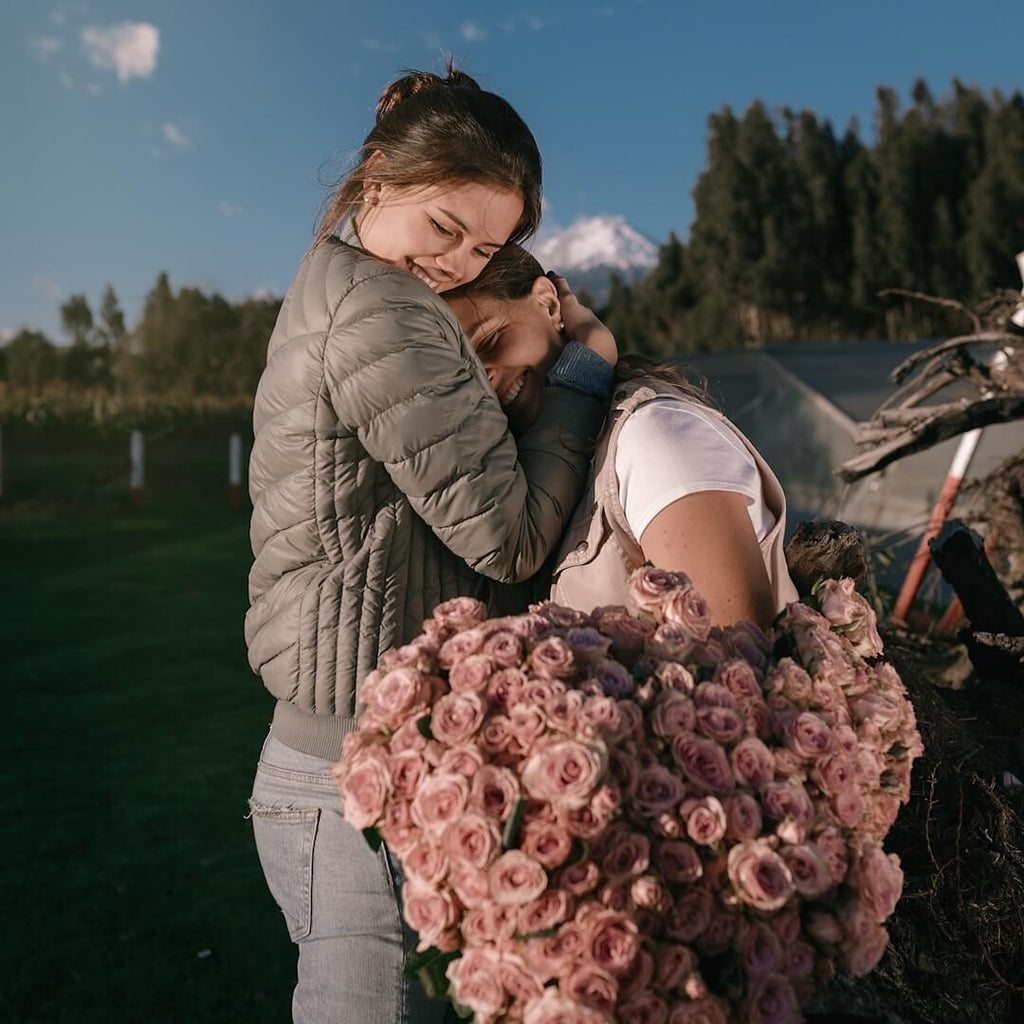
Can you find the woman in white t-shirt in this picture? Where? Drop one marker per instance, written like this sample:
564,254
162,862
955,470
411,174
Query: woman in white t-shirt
673,482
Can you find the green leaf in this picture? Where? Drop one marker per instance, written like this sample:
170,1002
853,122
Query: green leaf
898,750
373,839
544,933
508,837
580,849
424,727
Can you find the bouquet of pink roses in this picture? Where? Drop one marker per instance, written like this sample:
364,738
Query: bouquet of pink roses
633,816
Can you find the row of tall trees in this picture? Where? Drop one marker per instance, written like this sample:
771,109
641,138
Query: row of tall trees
186,343
797,229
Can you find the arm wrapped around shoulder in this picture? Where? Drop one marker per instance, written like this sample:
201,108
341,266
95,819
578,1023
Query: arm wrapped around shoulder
400,374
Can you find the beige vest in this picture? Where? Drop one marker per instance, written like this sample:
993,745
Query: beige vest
599,550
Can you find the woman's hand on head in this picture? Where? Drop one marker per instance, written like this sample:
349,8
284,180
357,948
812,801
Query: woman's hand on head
582,324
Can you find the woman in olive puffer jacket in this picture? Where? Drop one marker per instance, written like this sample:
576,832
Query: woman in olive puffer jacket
384,481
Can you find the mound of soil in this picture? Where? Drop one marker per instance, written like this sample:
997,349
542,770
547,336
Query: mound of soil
957,946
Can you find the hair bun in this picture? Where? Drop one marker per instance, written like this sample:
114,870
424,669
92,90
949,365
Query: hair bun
414,82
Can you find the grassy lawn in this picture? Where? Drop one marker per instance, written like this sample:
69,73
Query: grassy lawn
131,885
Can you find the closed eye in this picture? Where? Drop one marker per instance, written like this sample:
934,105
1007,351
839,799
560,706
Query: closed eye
441,229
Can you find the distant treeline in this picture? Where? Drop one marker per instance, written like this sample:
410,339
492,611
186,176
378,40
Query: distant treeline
796,231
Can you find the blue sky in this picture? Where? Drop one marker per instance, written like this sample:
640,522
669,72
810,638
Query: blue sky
192,137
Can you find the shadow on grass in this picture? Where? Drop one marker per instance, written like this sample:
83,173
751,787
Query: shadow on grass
132,887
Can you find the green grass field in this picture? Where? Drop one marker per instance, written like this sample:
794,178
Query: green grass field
132,889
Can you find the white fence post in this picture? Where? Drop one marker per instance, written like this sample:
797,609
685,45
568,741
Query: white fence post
235,470
137,477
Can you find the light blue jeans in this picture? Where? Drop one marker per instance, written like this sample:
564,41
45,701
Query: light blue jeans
340,900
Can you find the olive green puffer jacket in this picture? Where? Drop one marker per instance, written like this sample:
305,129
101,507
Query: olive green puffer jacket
384,480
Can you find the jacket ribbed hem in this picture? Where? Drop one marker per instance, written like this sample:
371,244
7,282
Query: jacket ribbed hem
317,735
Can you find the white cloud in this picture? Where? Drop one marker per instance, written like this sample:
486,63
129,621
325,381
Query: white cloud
175,136
378,45
230,209
48,287
263,293
44,47
472,32
130,48
65,79
93,89
58,17
534,22
6,333
432,40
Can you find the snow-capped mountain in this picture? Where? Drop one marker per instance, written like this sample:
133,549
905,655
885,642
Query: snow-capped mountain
594,248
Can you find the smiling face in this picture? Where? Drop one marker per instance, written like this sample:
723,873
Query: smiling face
518,341
442,235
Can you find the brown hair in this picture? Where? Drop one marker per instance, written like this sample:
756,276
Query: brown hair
432,131
509,275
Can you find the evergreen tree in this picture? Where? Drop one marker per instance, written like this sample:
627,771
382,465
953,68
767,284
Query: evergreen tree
31,360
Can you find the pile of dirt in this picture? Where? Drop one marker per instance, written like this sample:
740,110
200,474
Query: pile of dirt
957,948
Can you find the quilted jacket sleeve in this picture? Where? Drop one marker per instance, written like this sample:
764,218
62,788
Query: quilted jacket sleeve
403,378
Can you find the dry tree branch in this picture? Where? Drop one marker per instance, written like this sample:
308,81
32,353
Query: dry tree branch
935,300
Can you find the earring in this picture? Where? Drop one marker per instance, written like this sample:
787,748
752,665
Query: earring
561,325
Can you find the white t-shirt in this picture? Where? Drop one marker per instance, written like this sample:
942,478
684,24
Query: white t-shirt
669,448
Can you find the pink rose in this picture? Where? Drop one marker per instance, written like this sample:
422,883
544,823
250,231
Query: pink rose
504,648
549,910
548,845
558,615
471,675
584,822
759,949
527,723
397,828
420,655
742,816
406,769
759,876
850,615
580,878
865,940
687,608
400,694
629,634
553,956
809,737
648,893
555,1008
440,800
705,820
518,981
790,681
650,588
787,800
638,978
673,963
553,658
834,773
809,868
590,985
673,713
706,1010
476,982
464,760
713,695
632,721
848,807
658,790
627,858
678,861
456,718
364,792
408,737
689,916
588,645
614,679
496,734
674,676
459,647
494,791
772,1001
505,687
704,762
516,879
739,679
562,710
799,961
430,912
473,840
723,725
670,641
426,863
470,884
832,844
823,928
460,613
879,881
753,763
565,773
612,940
489,923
